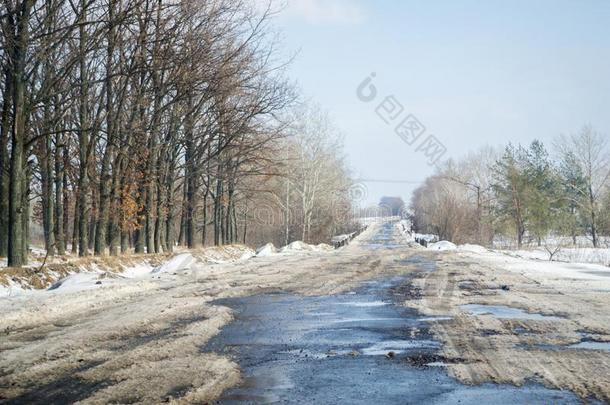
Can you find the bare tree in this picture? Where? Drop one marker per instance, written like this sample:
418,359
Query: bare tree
590,154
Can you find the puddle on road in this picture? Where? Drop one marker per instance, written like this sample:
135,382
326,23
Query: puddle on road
365,304
434,318
521,330
584,345
597,273
290,354
398,347
504,312
588,345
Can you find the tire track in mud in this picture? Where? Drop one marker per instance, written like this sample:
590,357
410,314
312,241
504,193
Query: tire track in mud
499,358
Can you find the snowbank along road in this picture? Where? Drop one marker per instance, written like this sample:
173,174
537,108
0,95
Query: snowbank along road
378,320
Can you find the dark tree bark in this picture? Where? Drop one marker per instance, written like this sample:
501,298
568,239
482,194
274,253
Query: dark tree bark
59,231
17,241
5,123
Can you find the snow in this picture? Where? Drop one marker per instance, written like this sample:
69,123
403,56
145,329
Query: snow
428,237
598,274
404,226
442,246
78,282
137,271
12,289
79,275
472,248
323,247
226,254
266,250
568,255
342,238
91,276
246,255
508,242
296,246
180,262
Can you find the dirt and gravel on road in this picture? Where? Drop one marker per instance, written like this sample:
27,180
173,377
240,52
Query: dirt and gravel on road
143,340
513,325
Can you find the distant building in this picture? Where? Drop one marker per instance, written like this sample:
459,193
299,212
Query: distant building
392,206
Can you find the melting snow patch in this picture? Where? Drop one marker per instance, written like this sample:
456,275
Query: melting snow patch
472,248
266,250
504,312
436,364
140,270
247,255
398,346
435,318
442,245
297,246
324,247
11,289
180,262
77,282
365,304
591,346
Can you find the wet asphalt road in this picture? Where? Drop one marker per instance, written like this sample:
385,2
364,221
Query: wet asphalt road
361,347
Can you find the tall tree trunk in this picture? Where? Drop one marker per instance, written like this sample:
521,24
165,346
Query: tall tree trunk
17,211
159,207
204,227
218,217
170,238
593,218
114,227
76,223
66,196
150,194
46,176
92,222
5,123
189,178
25,219
83,137
245,230
60,242
140,232
182,228
105,175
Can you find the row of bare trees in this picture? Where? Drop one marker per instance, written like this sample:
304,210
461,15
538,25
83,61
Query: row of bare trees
306,193
136,124
527,193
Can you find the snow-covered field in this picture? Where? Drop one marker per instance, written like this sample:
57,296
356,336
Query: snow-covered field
535,264
569,255
556,250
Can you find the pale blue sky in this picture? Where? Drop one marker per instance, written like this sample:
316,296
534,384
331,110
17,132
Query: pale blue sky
473,72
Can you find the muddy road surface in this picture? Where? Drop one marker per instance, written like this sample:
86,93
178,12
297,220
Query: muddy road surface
375,322
361,347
